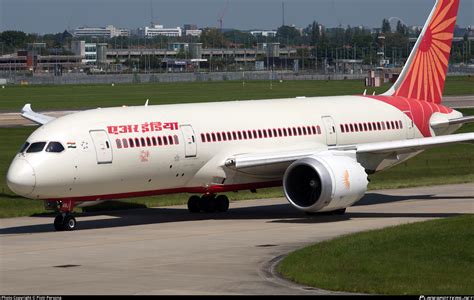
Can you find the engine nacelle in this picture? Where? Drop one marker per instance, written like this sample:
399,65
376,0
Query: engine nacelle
324,183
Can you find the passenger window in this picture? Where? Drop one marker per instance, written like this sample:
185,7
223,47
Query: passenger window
153,140
176,140
270,133
125,143
137,142
56,147
229,136
170,139
119,145
203,138
148,142
23,148
130,141
224,136
36,147
160,141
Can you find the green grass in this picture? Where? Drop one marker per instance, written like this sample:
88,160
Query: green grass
453,164
12,98
434,257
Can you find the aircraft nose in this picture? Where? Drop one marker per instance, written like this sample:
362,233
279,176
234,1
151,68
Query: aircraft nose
21,178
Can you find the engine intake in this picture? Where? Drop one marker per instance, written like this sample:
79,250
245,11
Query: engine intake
324,182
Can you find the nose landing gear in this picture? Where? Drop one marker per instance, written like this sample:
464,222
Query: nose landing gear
65,220
208,203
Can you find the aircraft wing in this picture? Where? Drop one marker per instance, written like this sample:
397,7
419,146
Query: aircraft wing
28,113
382,148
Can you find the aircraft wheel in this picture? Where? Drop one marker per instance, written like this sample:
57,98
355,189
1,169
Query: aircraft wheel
69,223
222,203
208,203
339,211
194,204
58,223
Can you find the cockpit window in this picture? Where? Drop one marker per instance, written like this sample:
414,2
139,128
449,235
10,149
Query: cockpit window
23,148
36,147
55,147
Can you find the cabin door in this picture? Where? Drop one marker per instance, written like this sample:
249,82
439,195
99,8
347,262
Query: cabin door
103,148
331,134
189,141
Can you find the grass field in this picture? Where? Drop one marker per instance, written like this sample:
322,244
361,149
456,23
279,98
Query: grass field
12,98
433,257
453,164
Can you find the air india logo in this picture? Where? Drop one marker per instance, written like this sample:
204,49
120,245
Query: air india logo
144,156
347,181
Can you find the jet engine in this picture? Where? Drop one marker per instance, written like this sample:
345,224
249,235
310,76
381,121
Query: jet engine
324,182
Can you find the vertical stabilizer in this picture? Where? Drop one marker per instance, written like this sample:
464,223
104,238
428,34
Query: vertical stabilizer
424,74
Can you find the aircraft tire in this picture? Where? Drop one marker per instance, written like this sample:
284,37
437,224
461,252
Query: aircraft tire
222,203
58,222
208,203
194,204
69,223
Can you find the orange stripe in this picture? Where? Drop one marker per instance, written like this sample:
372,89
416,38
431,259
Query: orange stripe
414,73
430,77
442,46
425,76
441,15
435,72
443,36
420,75
444,25
440,55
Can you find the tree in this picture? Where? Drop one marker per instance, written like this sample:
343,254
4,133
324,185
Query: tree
402,29
386,28
213,38
289,34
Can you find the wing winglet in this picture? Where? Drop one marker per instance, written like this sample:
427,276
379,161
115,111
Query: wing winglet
28,113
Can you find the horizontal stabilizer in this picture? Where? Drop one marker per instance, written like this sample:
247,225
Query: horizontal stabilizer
457,121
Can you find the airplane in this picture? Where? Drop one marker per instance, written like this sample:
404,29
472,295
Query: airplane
321,150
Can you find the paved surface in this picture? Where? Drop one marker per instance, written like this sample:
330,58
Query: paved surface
14,119
169,251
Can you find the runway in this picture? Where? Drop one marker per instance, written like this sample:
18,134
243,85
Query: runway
170,251
14,119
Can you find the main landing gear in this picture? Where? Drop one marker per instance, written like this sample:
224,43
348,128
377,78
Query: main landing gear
208,203
65,221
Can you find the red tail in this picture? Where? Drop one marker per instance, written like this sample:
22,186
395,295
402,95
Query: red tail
425,72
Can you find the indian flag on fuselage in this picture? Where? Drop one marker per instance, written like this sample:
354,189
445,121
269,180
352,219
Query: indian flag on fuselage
71,145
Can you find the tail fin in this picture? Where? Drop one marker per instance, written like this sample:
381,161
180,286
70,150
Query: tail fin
424,74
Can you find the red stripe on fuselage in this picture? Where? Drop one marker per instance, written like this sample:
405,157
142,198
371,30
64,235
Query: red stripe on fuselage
192,190
419,112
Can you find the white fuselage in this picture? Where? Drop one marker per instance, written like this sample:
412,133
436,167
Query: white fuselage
96,165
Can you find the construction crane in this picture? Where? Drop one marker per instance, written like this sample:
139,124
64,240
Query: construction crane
220,19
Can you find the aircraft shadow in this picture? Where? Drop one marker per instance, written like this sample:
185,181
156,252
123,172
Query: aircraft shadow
277,213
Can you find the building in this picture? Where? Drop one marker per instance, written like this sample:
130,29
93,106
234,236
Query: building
27,61
109,31
193,32
160,30
91,53
265,33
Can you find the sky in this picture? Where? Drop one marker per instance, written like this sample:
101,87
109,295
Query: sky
51,16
